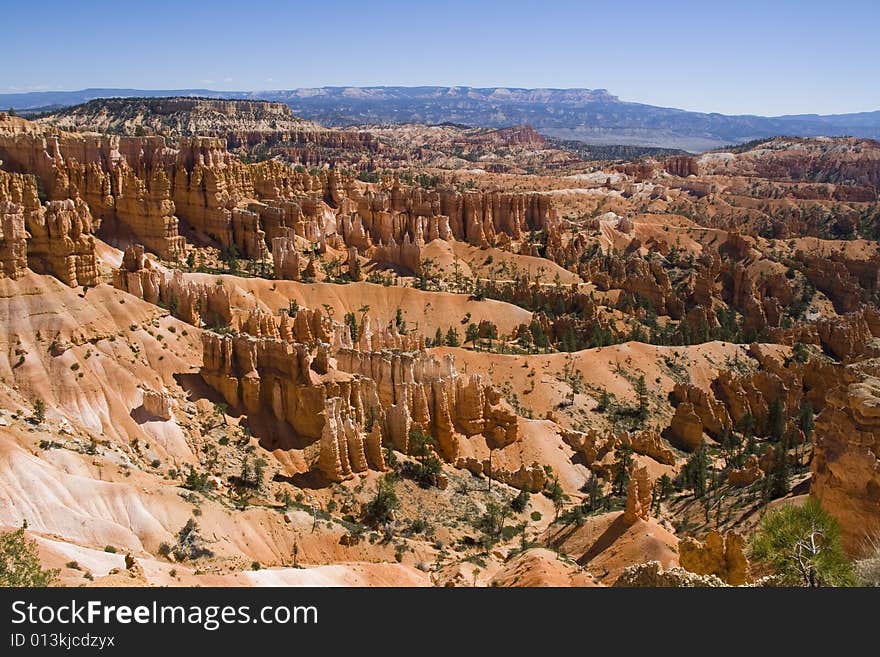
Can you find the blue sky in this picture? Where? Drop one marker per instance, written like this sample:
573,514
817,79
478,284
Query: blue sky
738,56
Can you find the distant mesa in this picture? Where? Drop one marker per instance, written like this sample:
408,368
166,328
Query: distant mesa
593,116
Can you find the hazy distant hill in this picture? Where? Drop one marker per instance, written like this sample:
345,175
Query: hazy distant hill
591,116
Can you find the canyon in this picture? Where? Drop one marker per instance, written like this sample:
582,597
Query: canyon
345,359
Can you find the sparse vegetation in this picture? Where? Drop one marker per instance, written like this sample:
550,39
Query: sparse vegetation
20,562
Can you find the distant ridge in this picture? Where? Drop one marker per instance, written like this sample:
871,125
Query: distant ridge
593,116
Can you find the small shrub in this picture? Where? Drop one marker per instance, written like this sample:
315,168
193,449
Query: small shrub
380,509
521,501
39,411
196,481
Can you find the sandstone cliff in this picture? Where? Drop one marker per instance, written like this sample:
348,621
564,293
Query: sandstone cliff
846,466
53,238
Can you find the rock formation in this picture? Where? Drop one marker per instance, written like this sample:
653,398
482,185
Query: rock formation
652,575
719,555
638,496
194,303
54,238
686,429
13,240
159,404
746,475
846,466
351,404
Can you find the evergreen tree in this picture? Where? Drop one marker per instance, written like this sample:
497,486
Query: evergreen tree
604,401
472,334
452,337
538,335
439,341
806,425
525,338
780,476
805,420
746,425
733,458
351,322
380,509
642,391
594,493
556,493
622,463
801,545
491,333
664,487
776,419
695,472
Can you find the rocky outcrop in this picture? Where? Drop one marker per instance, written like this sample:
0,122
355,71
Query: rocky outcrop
720,555
344,447
52,238
592,446
849,336
711,413
407,254
286,259
652,575
269,376
746,475
597,449
420,390
13,240
833,278
145,185
517,135
638,496
644,281
192,302
649,443
475,217
61,243
682,166
179,116
851,160
141,203
343,403
846,463
685,430
159,404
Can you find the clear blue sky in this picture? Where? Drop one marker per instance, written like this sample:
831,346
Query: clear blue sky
734,56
